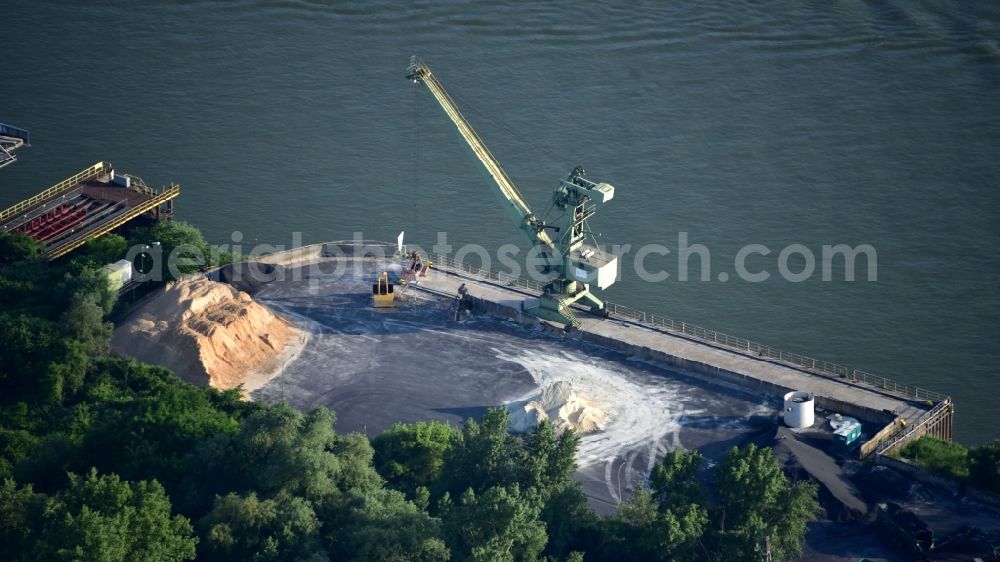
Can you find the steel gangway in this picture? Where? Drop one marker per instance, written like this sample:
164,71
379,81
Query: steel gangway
11,139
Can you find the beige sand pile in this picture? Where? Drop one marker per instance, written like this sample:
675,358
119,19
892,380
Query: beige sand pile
562,406
208,333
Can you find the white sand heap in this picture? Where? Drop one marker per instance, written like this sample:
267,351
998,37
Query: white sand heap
208,333
562,406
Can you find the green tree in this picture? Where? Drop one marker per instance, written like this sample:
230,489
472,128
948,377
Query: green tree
29,344
570,523
383,526
15,446
984,466
280,454
487,455
16,530
644,530
144,421
101,251
758,501
674,481
48,348
106,519
483,457
17,247
668,521
546,462
178,239
45,360
501,524
539,465
797,506
84,322
107,249
84,335
88,285
248,528
65,373
410,456
280,450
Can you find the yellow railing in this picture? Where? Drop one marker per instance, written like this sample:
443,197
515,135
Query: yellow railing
167,194
66,184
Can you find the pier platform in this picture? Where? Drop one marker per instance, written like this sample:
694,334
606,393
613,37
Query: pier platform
898,413
85,206
903,413
893,413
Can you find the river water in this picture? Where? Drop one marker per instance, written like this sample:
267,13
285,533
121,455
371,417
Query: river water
727,123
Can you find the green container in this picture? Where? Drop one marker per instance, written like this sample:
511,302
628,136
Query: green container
119,274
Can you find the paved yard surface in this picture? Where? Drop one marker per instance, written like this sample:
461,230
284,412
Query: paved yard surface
415,362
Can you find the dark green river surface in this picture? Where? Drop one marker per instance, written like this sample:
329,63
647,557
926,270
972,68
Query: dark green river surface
774,123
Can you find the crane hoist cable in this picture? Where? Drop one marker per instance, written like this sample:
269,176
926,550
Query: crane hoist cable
552,158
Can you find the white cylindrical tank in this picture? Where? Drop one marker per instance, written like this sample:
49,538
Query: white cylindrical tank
799,409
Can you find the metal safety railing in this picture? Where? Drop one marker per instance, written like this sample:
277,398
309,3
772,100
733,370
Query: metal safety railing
916,429
743,345
11,131
769,352
70,182
507,280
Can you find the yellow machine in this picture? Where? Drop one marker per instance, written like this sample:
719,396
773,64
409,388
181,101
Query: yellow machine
382,292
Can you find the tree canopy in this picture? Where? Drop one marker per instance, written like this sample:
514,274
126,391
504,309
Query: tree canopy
411,456
95,518
106,459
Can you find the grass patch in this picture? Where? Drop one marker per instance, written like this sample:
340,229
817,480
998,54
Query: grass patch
938,456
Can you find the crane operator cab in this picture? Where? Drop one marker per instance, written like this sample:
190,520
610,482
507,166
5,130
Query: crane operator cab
599,192
584,262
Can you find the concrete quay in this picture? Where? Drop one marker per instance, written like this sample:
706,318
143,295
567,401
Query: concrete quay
900,417
880,408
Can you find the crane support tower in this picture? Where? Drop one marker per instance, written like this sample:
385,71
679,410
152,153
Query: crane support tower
570,262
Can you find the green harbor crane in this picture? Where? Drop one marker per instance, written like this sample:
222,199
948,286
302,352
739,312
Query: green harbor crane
570,262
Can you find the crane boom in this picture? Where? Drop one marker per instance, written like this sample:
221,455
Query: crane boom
505,188
572,263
